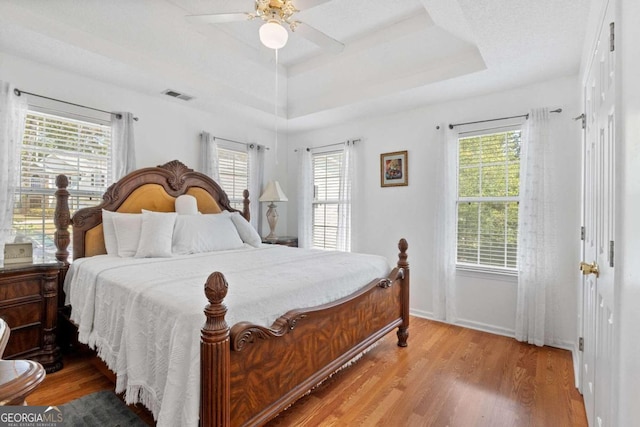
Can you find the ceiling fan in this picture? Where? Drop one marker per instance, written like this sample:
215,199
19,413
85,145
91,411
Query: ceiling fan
277,15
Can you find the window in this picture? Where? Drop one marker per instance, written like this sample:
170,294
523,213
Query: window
487,199
327,169
54,145
233,167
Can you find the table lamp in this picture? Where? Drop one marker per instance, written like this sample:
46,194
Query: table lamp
272,193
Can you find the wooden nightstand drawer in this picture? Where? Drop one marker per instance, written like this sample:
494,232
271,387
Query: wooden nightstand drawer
23,340
19,288
22,314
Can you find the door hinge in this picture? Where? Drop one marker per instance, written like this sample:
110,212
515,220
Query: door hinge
582,233
612,37
583,120
611,252
581,344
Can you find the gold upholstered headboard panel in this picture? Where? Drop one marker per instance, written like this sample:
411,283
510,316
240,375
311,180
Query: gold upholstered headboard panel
152,197
154,189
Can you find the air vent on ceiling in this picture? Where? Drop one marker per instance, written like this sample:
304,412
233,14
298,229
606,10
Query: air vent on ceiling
174,94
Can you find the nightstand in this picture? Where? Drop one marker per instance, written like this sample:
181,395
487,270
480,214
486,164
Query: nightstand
284,241
29,305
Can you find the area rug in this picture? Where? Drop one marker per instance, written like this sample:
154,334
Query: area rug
101,409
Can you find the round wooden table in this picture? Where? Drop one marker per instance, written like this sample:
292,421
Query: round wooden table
18,378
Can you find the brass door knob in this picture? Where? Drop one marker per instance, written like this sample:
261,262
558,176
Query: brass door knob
590,268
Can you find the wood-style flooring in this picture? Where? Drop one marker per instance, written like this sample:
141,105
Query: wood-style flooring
448,376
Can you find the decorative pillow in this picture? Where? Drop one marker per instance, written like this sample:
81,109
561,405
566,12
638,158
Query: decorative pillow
193,234
156,234
110,239
127,229
247,233
186,205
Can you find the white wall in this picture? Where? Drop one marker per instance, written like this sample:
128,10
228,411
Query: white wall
167,129
383,215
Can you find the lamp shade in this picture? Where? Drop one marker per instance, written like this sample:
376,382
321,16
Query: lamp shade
273,193
273,35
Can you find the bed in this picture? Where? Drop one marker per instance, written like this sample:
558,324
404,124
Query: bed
248,371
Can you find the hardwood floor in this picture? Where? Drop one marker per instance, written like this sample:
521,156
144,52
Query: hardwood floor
448,376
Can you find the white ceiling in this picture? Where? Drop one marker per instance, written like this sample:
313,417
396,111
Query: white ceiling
398,54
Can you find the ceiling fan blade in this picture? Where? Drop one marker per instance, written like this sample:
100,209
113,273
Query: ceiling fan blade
319,38
218,18
308,4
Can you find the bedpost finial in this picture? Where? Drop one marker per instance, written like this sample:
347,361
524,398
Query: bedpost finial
402,256
216,288
62,181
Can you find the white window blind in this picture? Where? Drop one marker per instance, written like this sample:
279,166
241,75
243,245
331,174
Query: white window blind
487,202
55,145
326,183
233,166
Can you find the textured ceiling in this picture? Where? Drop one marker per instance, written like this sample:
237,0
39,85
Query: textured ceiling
398,53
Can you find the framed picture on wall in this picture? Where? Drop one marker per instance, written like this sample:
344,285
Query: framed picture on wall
394,169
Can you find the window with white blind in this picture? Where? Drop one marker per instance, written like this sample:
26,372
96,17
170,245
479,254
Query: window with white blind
326,168
487,199
54,145
233,167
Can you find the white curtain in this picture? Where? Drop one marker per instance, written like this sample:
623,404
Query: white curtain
305,199
347,175
13,111
209,156
123,146
256,172
537,248
443,272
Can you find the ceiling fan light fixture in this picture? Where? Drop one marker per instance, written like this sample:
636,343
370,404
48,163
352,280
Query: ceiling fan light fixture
273,35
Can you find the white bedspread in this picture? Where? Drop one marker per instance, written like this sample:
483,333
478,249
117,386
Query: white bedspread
144,315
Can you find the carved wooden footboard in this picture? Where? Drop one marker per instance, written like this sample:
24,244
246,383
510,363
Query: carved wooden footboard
251,373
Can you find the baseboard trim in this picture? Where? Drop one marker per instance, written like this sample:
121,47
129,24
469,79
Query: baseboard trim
465,323
421,313
576,367
485,327
497,330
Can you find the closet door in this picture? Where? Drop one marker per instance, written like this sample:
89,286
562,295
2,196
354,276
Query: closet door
598,320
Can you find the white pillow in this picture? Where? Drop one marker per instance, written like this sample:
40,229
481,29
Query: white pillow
247,233
156,234
186,205
193,234
110,239
128,233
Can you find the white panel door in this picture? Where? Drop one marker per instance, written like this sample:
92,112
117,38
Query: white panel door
599,251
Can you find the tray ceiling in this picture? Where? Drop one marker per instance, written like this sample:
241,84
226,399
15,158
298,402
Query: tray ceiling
398,53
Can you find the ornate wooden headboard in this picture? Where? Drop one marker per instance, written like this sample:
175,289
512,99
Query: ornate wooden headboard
150,188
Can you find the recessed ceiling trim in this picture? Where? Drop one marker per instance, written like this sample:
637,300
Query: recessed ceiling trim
465,62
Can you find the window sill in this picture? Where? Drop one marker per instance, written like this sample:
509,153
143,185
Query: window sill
487,272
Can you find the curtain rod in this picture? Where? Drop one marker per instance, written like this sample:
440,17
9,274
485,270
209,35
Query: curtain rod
331,145
248,144
19,92
526,116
